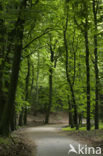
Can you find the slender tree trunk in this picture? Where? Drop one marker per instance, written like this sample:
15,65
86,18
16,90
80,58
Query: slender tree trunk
2,42
88,74
50,87
32,84
27,91
96,67
80,119
37,87
20,123
68,78
12,121
71,122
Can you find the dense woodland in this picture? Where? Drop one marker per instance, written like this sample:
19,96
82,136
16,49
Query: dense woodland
51,59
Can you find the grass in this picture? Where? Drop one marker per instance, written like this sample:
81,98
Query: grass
82,128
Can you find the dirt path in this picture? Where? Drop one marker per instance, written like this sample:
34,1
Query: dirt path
51,142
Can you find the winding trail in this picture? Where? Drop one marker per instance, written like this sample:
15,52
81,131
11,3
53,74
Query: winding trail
51,142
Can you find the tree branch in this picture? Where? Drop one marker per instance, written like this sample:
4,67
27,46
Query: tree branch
47,31
32,52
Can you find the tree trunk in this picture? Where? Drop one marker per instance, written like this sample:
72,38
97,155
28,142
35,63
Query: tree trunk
21,118
50,87
2,42
80,119
27,91
68,79
71,122
37,87
12,120
32,84
88,74
96,67
18,36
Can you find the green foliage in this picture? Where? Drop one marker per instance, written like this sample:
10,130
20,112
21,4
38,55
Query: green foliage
81,128
44,25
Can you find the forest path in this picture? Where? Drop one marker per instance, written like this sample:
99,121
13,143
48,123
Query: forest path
50,141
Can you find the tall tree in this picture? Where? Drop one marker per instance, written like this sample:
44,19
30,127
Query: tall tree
18,36
95,10
86,26
27,90
68,76
50,83
37,84
2,101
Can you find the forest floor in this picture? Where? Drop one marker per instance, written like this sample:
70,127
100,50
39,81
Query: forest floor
16,145
92,138
35,138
